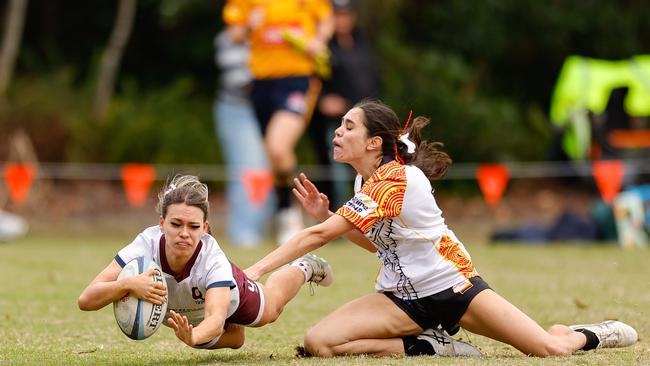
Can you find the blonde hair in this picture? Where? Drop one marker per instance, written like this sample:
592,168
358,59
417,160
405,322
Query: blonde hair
185,189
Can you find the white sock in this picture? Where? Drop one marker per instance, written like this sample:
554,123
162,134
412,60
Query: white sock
305,268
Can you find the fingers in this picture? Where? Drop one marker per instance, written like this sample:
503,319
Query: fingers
310,186
172,324
172,321
299,187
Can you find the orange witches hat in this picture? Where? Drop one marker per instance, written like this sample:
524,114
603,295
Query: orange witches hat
492,179
19,178
137,180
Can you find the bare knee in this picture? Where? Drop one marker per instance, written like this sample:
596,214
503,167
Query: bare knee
276,154
316,346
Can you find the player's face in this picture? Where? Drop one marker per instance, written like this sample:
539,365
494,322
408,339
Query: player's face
183,227
351,137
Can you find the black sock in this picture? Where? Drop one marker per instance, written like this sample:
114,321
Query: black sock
284,196
417,347
592,339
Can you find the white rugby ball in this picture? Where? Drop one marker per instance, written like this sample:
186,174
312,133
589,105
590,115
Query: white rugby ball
137,318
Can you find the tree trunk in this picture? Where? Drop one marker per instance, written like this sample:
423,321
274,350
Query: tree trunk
13,32
112,56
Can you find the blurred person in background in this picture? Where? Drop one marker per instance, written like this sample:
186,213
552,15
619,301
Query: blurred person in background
354,76
242,144
286,38
428,283
210,300
12,226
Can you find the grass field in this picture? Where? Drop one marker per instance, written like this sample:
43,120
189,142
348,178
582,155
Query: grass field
44,274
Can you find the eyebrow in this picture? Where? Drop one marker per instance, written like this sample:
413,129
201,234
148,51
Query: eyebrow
180,220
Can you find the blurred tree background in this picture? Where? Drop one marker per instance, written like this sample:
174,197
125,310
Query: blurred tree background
482,70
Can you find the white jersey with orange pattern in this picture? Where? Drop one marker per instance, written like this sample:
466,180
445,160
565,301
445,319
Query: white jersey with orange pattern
207,268
397,212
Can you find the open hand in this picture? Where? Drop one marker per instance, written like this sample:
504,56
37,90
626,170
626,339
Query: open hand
182,327
312,200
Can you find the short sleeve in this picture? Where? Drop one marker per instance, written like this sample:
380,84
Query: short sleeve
380,197
218,268
141,246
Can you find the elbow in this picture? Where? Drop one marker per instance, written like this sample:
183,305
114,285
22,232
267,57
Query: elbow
83,303
86,303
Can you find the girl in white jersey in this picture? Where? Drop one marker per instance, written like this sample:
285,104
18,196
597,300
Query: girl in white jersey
210,300
428,282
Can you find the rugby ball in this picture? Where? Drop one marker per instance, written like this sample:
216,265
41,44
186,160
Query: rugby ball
137,318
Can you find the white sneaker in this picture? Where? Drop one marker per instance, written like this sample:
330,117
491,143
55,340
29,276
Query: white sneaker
444,345
316,269
289,222
611,333
12,226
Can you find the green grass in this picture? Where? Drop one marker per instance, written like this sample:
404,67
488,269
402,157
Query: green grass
44,274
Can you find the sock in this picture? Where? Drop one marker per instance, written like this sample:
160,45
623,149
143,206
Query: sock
417,347
306,269
592,339
283,184
284,196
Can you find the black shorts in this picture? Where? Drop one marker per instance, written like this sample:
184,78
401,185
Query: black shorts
289,94
444,308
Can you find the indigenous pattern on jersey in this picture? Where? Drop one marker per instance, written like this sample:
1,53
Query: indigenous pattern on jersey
271,55
397,212
186,291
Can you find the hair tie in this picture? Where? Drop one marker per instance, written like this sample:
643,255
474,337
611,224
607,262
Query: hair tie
406,126
409,144
170,189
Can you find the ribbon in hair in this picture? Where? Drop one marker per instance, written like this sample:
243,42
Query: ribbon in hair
410,145
404,138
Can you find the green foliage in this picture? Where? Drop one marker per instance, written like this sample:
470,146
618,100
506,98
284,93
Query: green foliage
482,70
166,125
473,125
169,125
48,109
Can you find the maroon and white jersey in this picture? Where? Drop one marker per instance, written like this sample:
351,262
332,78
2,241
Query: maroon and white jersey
209,267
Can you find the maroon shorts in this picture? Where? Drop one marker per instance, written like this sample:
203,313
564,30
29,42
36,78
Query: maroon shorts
251,300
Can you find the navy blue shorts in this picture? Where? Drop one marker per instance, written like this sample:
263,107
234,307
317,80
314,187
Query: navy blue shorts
272,95
442,309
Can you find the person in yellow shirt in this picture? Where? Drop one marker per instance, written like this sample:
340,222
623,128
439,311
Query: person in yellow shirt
287,38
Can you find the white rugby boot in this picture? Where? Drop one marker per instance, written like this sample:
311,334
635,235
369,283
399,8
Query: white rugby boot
446,346
316,269
611,333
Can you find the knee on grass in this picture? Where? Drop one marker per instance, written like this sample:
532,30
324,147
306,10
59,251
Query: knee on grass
316,345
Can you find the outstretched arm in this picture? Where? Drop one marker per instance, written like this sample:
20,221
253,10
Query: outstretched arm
317,204
217,300
300,244
105,288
